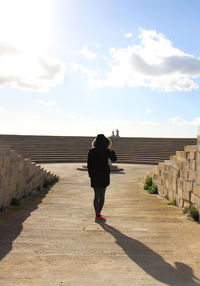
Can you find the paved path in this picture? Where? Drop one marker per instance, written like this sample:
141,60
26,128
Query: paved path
52,239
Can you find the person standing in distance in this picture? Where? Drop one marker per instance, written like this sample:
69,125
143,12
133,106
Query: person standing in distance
99,170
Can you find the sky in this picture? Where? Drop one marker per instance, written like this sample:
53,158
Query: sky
83,67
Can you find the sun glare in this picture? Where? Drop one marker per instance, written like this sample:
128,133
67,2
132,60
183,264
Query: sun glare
26,23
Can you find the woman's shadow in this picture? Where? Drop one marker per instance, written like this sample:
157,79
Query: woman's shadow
151,262
11,221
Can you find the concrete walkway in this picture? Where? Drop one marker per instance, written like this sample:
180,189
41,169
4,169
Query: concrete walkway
52,239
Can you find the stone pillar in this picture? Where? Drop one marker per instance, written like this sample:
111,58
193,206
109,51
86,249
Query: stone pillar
198,138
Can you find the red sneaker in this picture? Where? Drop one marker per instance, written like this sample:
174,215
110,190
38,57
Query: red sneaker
100,218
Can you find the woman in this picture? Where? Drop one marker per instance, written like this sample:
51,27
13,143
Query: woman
99,171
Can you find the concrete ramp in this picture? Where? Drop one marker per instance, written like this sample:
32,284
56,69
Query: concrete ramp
52,239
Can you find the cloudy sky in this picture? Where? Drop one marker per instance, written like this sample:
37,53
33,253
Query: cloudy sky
82,67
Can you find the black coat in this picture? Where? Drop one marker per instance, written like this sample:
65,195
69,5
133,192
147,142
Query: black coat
98,168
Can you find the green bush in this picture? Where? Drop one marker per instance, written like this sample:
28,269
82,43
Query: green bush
15,202
186,210
46,183
153,189
148,182
192,212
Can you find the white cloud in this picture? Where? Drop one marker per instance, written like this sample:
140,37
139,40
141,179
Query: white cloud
127,35
180,121
88,54
47,103
28,71
148,111
90,74
153,63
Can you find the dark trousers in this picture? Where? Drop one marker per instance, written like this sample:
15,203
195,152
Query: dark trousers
99,197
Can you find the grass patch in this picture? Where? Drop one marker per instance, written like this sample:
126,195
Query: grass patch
172,203
50,182
15,202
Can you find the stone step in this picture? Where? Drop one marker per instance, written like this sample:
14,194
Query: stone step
75,148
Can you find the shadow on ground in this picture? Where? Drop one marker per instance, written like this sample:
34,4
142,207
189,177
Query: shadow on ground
151,262
11,221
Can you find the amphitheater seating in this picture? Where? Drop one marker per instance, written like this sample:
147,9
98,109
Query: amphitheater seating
50,149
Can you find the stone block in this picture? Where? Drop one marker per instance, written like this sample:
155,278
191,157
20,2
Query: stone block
170,195
1,162
184,174
11,171
5,181
186,195
175,171
181,155
160,190
195,200
197,179
196,189
155,170
13,157
186,165
9,192
188,186
4,150
19,189
1,197
192,165
20,165
190,148
27,161
172,157
198,161
6,161
198,166
180,202
12,180
161,165
154,177
186,204
191,175
180,187
192,155
165,176
174,183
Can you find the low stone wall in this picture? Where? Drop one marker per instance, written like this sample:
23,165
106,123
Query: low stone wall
179,178
19,177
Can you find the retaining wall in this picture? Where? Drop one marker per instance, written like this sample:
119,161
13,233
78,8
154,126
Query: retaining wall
19,177
179,178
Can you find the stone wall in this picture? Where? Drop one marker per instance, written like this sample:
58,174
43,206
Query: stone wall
19,177
179,178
